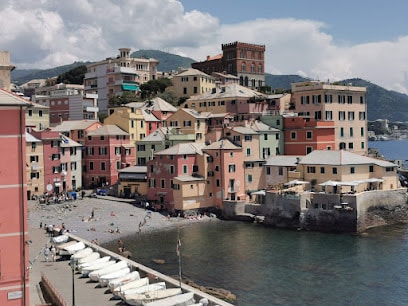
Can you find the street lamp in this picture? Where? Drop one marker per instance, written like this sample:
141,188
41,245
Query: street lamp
73,266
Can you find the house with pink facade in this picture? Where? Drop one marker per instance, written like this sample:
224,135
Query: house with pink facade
108,149
14,257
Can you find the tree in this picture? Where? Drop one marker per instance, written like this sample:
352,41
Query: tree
126,97
154,87
169,96
73,76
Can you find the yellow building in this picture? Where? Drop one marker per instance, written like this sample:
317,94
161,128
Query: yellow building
343,171
189,121
346,105
34,166
129,118
190,82
132,182
37,117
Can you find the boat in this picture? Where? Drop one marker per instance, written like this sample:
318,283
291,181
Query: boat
142,289
59,239
139,299
105,279
130,285
117,282
183,299
82,253
93,262
97,273
61,246
72,249
91,257
85,271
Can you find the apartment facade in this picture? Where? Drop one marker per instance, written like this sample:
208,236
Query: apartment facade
190,82
189,121
115,75
37,117
67,102
14,256
345,105
303,135
35,166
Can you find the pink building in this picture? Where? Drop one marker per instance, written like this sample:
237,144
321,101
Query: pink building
54,176
108,149
14,278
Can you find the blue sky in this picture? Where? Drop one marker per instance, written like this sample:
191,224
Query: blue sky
318,39
353,21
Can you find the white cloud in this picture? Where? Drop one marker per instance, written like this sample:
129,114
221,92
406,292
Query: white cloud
49,33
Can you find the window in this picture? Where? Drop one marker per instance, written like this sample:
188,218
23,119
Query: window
117,150
349,99
334,170
318,115
350,145
231,168
248,137
217,183
171,169
329,115
231,154
352,170
141,148
249,178
371,168
195,90
342,99
40,113
328,98
248,151
185,169
341,132
243,67
102,137
309,135
361,115
34,159
103,151
293,135
268,170
265,136
322,170
73,166
362,145
361,100
30,112
162,183
91,166
342,115
362,131
351,116
317,99
351,132
34,175
311,169
184,90
309,150
103,166
90,138
304,100
280,171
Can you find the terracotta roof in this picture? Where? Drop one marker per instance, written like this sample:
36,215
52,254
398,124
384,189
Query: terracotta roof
223,144
341,157
215,57
183,148
7,98
108,129
67,126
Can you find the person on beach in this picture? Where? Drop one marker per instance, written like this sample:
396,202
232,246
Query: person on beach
140,228
46,253
53,253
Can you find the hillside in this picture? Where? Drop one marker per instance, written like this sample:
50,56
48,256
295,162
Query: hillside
168,61
382,103
21,76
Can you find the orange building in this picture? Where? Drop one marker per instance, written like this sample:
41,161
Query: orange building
303,135
14,280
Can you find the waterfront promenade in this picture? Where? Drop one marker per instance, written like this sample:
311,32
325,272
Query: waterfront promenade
59,273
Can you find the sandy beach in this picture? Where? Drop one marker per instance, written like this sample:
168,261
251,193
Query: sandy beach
113,218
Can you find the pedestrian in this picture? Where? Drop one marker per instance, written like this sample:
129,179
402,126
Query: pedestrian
140,228
120,243
40,224
53,253
93,213
46,253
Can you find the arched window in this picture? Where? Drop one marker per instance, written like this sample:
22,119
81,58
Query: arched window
252,68
246,81
241,80
243,67
259,68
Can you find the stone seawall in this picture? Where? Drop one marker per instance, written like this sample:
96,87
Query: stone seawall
327,212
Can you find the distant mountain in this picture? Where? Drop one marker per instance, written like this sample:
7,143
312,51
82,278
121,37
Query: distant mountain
168,61
382,103
21,76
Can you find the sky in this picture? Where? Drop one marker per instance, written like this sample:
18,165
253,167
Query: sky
321,40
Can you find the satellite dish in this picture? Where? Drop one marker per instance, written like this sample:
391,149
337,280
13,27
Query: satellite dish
49,187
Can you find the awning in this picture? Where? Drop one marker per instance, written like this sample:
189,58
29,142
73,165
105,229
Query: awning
295,182
130,87
57,184
329,183
259,192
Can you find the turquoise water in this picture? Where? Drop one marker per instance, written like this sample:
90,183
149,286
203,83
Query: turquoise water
266,266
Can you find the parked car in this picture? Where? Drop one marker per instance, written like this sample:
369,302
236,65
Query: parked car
101,192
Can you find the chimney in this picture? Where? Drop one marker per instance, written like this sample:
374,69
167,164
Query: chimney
208,57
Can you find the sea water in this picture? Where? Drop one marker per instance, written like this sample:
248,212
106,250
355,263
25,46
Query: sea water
267,266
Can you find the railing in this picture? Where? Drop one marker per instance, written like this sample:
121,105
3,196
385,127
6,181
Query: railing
56,298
